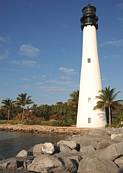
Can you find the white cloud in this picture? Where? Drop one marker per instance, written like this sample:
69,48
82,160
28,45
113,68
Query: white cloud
118,43
67,71
29,50
28,63
56,85
53,88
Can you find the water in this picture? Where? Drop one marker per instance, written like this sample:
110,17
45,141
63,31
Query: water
12,142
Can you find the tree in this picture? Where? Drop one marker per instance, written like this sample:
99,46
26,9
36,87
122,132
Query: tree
8,104
73,101
23,99
106,100
45,111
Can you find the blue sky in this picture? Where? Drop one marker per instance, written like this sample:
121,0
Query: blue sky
40,47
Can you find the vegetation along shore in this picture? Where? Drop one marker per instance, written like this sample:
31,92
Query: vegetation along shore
22,110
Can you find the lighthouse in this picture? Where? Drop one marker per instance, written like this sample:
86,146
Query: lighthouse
90,78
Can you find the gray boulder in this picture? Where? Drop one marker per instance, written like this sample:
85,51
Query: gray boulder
22,154
117,137
98,132
43,163
119,161
21,158
71,144
68,165
54,164
37,149
48,148
8,164
77,156
96,165
85,150
97,141
64,148
111,152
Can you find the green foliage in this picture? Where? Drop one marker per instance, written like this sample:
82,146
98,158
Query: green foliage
106,100
59,114
8,106
23,99
118,121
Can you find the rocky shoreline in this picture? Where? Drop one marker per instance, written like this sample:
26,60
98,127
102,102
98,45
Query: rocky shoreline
43,129
98,151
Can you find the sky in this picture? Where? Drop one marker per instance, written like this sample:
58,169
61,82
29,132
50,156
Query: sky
40,47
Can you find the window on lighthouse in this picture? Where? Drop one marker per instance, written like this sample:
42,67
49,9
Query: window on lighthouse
89,99
89,120
89,60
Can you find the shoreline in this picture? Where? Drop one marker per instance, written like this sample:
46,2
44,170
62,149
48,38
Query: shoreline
43,129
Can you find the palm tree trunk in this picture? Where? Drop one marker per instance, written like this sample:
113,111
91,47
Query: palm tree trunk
8,114
109,116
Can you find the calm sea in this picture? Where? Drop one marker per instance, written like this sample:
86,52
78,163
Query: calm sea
11,143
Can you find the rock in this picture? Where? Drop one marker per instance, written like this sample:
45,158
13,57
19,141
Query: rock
87,149
22,154
43,163
48,148
72,156
29,160
64,148
112,130
4,164
117,137
8,164
67,146
119,162
37,149
96,165
70,144
53,164
111,152
21,162
69,165
120,170
98,132
21,159
97,141
57,170
12,165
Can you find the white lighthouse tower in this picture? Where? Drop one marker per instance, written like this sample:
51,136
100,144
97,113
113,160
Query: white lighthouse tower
90,80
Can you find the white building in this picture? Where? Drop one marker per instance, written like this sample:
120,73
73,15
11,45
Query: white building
90,80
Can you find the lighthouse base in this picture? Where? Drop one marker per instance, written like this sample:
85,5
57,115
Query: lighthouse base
96,120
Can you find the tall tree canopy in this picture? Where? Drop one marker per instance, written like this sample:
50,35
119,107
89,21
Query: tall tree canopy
23,99
8,104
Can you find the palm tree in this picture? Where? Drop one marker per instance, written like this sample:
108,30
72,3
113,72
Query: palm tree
106,100
23,99
73,101
8,104
74,96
